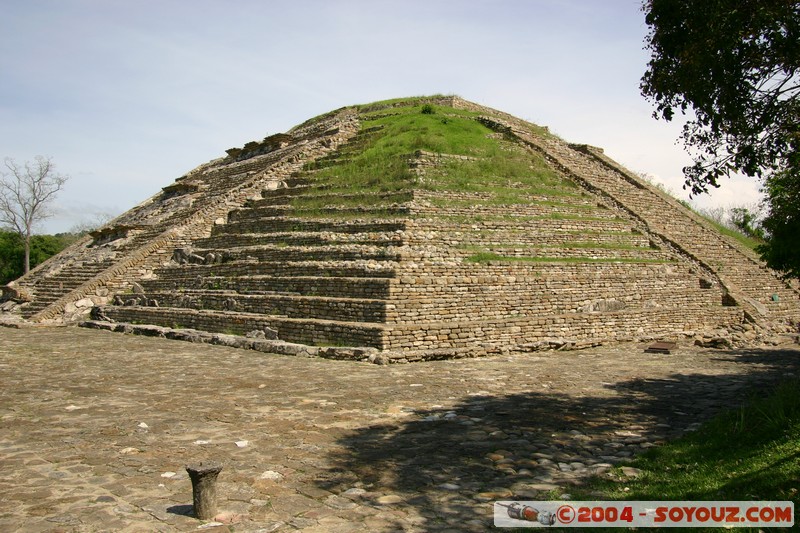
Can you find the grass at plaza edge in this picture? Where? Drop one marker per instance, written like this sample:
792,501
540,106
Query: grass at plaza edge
750,453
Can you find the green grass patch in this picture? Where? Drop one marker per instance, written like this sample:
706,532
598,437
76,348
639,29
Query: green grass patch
568,216
749,242
410,101
484,257
560,246
508,197
325,213
499,170
352,200
600,245
750,453
598,232
411,130
470,219
516,193
587,233
380,161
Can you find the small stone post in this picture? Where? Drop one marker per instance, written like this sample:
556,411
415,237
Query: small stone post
204,489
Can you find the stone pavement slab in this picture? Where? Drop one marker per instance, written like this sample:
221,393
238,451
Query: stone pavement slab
96,429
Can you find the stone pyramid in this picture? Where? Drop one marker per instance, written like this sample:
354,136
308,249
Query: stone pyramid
412,229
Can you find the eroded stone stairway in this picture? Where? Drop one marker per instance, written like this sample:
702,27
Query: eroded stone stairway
317,277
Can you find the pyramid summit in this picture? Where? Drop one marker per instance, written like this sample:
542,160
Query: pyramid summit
411,229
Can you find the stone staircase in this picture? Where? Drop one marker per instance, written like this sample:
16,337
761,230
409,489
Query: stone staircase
137,243
738,268
745,278
50,289
314,275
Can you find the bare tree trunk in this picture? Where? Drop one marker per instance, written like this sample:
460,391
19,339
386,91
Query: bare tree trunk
25,192
27,254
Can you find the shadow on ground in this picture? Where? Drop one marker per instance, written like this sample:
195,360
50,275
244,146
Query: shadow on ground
448,465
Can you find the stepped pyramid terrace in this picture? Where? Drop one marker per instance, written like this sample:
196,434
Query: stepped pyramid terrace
411,229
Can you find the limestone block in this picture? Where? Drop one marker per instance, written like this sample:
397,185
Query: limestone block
18,294
234,341
84,303
100,300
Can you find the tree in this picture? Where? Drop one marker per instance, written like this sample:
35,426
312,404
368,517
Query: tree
746,221
12,251
733,68
25,192
782,224
11,255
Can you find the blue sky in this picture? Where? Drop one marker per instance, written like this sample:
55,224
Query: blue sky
126,96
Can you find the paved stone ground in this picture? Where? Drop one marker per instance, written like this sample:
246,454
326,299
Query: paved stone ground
97,428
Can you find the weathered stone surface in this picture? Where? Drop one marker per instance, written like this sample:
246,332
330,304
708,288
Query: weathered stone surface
232,247
342,443
204,488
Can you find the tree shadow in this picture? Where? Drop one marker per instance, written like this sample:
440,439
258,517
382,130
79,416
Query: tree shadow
444,467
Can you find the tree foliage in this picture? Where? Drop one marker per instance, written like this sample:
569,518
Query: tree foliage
733,68
12,251
782,223
25,192
747,222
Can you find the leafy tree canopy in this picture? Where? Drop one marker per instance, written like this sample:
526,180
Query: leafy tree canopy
12,251
733,67
782,249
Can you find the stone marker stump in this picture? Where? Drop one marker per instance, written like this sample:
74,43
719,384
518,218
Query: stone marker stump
204,488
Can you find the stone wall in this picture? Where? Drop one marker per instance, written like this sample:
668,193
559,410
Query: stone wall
421,274
536,301
757,289
313,332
